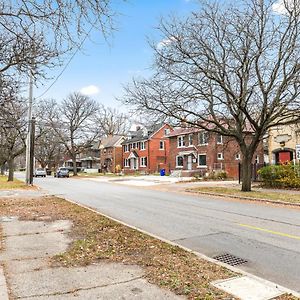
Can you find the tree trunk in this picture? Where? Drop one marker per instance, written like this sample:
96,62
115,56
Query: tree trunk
246,173
10,163
2,169
74,166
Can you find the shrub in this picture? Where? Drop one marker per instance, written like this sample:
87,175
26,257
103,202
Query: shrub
285,176
217,175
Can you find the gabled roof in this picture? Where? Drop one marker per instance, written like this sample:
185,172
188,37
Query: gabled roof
110,141
182,131
143,133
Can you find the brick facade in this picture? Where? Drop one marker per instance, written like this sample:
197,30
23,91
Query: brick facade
111,154
146,151
205,155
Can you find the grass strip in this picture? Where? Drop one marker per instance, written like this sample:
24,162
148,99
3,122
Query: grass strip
8,185
256,194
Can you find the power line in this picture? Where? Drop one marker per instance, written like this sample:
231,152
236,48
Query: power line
67,64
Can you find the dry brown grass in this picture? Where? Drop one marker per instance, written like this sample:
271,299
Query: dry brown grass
256,194
8,185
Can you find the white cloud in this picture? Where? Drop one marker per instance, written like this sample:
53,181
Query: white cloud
280,6
165,42
90,90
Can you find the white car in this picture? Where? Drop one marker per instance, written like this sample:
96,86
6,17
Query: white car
40,172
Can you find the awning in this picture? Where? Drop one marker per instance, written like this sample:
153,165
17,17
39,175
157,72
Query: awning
188,152
133,154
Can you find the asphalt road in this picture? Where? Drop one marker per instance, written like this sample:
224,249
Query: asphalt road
267,236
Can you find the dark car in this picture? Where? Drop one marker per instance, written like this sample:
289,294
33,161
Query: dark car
61,172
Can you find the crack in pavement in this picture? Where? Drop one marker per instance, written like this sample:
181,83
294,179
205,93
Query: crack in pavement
82,289
37,233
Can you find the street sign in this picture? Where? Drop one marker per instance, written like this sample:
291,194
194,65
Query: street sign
298,151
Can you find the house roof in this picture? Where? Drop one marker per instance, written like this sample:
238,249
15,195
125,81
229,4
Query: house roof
142,133
187,130
182,131
110,141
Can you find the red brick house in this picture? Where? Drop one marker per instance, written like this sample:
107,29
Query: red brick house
111,153
197,152
146,150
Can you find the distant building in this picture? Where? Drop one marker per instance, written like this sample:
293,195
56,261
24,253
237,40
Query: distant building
111,153
87,161
281,143
146,150
197,152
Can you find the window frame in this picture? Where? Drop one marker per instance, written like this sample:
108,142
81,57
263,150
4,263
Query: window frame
143,145
161,142
143,162
221,137
198,163
182,144
222,156
202,133
176,160
190,139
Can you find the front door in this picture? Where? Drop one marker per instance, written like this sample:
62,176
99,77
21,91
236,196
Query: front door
189,162
284,156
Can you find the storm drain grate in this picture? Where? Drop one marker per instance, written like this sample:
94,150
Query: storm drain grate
230,259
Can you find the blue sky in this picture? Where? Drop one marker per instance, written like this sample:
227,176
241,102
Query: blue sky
110,65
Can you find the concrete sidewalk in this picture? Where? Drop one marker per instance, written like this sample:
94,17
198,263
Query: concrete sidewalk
29,245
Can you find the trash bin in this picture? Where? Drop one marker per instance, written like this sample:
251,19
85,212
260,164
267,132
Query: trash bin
162,172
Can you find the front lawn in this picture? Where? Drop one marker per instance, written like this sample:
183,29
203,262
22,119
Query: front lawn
269,195
7,185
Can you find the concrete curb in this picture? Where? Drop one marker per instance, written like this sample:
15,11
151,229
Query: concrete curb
200,255
3,286
245,198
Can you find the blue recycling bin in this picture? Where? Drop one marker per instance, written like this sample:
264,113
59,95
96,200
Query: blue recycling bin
162,172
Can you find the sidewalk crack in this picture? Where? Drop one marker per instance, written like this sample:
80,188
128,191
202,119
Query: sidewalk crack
82,289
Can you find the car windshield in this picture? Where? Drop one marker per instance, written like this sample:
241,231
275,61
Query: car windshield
39,169
63,169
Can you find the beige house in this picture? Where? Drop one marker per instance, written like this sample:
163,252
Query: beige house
282,141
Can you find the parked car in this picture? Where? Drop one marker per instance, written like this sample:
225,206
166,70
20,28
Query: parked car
39,172
61,172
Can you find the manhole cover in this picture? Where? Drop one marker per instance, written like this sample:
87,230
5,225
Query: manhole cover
230,259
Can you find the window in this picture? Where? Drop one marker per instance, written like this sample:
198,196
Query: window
143,161
126,163
134,145
203,138
179,161
190,139
142,147
219,138
220,156
167,131
129,147
180,141
257,159
238,156
161,145
202,160
125,148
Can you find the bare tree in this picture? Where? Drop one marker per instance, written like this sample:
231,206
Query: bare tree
48,148
42,31
12,132
73,124
233,70
111,121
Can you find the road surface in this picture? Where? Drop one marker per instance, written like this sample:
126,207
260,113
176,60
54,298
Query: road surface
267,236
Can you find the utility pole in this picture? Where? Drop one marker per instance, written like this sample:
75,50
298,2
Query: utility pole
29,142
